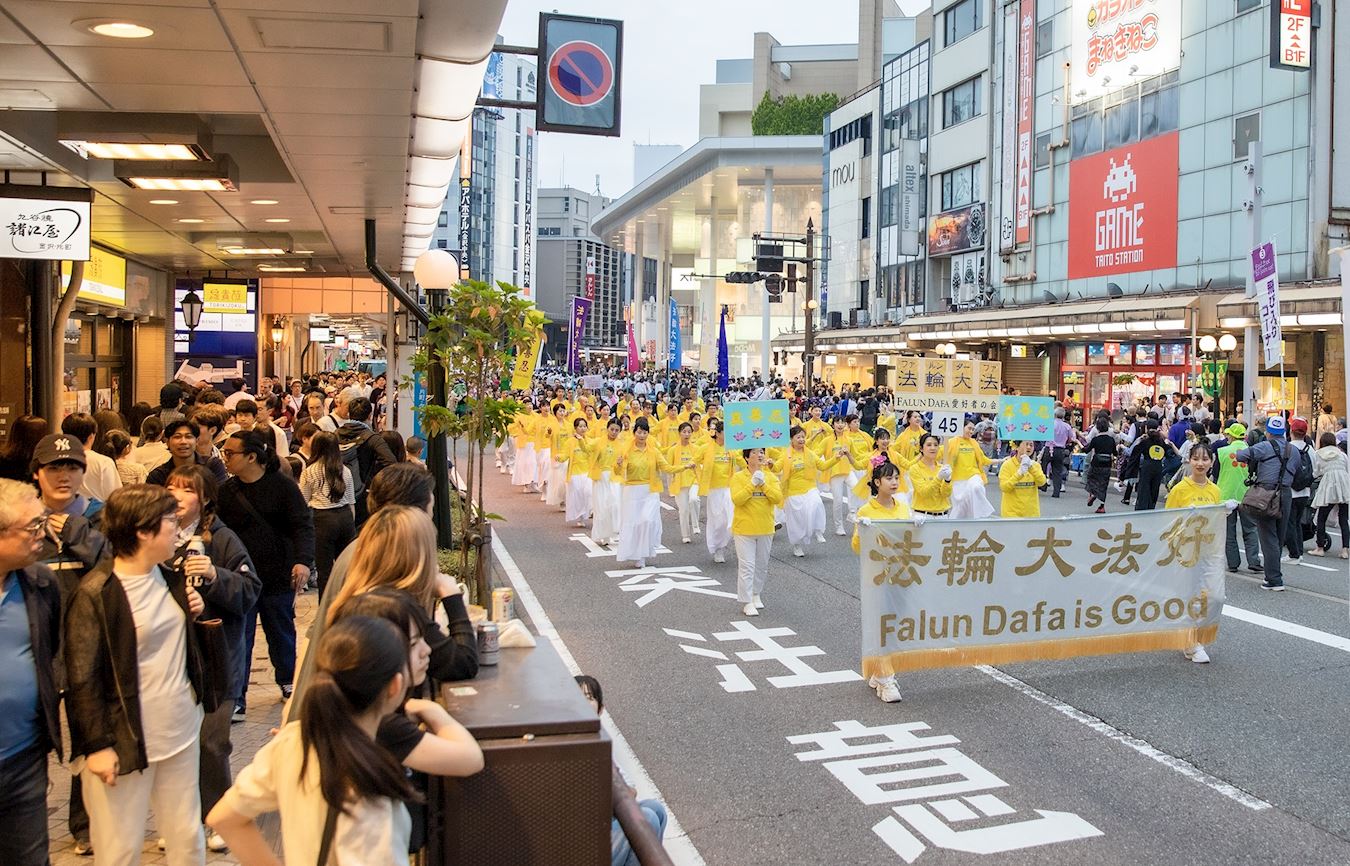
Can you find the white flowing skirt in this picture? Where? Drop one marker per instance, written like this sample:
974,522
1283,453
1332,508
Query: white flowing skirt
606,497
543,464
639,523
522,473
854,501
579,491
557,484
718,534
969,501
805,515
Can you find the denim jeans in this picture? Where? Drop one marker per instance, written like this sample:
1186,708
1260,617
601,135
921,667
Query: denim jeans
23,803
277,613
1250,543
621,852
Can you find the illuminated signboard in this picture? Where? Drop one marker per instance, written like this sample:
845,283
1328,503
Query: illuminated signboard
105,278
1116,43
1291,42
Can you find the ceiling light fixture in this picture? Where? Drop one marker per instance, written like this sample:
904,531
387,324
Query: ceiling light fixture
278,220
191,220
164,201
263,201
219,175
282,268
254,251
117,29
146,137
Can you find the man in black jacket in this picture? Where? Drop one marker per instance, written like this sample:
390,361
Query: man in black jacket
30,634
181,436
372,452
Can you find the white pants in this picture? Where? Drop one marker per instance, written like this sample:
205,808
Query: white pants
805,515
639,524
506,454
557,484
720,514
118,815
522,471
686,501
752,565
579,490
839,499
854,503
969,501
605,496
543,462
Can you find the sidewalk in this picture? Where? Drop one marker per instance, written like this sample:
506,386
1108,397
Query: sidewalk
264,713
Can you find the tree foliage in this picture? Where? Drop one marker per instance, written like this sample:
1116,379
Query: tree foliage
793,115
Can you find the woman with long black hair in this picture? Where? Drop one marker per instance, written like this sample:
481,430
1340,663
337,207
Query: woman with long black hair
327,487
16,457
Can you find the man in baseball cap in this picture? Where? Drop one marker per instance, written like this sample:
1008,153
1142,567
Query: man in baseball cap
1274,462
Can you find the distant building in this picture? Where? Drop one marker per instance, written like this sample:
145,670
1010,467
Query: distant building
566,254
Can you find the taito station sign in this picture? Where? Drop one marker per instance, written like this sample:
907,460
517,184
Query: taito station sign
1123,209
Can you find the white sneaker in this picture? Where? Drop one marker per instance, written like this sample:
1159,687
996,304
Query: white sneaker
697,531
820,538
685,540
839,530
215,842
719,556
162,844
759,605
1197,654
887,690
749,609
797,551
642,563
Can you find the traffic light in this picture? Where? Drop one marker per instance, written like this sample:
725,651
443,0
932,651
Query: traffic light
769,257
743,277
792,278
773,284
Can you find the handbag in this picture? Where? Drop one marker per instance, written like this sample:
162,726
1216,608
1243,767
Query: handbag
1259,500
216,666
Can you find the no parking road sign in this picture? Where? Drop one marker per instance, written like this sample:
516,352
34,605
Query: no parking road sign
581,66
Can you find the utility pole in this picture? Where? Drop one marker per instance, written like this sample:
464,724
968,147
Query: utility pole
1252,333
809,345
768,230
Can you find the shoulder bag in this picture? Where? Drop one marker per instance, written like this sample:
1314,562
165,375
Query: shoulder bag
1261,501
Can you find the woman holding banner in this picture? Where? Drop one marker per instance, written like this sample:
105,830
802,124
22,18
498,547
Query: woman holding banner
884,484
803,509
639,469
1196,489
968,465
605,493
717,464
754,493
931,481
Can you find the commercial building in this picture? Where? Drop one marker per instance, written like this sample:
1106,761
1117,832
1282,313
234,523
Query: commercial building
572,262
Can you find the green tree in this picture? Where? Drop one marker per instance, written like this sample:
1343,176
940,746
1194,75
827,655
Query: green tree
793,115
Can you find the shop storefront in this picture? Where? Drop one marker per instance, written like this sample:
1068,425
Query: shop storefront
1114,376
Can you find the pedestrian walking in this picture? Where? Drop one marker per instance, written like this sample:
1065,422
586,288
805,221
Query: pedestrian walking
838,475
1061,447
1100,455
328,489
639,470
1271,465
1333,494
755,493
1148,458
16,457
883,505
1232,479
526,463
718,465
1300,497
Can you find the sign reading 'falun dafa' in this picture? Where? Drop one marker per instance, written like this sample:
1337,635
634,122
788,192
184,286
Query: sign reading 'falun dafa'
1026,418
757,424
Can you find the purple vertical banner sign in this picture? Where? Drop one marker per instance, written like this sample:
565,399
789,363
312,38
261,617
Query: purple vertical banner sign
576,325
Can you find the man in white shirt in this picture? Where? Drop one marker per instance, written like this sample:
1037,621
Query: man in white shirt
100,475
240,393
338,416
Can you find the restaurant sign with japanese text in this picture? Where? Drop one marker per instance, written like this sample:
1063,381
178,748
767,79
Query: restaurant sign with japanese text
44,222
951,593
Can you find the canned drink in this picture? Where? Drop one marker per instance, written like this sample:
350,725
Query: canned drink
488,647
503,605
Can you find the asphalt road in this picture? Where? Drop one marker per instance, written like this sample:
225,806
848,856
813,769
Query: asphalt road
1129,759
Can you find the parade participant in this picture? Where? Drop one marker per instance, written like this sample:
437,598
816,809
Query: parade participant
838,475
683,459
802,507
580,452
718,465
522,431
931,480
754,494
885,452
968,464
860,453
907,443
543,449
1020,478
1333,493
605,492
328,763
1197,489
639,470
883,505
560,444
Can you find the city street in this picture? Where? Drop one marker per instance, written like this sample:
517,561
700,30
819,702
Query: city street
1143,758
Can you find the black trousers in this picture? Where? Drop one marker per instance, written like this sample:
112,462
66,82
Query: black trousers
1146,494
334,529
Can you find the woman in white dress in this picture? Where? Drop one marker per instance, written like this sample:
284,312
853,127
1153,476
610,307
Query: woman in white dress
522,430
803,509
717,465
639,470
579,485
552,462
605,492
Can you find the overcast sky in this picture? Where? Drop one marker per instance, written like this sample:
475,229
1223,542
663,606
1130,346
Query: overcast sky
670,48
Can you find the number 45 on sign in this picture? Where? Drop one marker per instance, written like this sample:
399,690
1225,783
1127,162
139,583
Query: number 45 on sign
948,424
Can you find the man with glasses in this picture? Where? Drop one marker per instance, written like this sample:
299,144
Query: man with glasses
182,437
30,630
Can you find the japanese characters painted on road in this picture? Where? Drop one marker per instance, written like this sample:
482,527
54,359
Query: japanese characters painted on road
1123,209
947,384
1265,276
950,593
757,424
1022,418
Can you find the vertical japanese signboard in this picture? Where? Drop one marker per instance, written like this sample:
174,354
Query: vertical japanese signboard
1123,209
527,242
576,326
1026,106
464,199
1267,281
1008,218
590,278
1291,38
676,349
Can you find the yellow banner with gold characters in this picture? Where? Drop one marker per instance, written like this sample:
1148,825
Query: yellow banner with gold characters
523,374
950,593
947,384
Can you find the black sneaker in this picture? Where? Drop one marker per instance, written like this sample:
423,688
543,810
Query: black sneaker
286,691
238,715
1273,587
1256,569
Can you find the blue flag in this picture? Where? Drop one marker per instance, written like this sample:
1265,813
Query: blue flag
676,353
723,374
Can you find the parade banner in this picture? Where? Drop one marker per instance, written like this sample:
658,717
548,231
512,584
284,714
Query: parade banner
1022,418
1267,281
523,374
756,424
675,361
947,384
951,593
575,327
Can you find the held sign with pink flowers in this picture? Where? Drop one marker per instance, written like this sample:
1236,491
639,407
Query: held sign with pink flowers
1021,418
756,424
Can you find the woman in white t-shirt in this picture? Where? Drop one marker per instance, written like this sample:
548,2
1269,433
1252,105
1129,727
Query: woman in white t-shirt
335,787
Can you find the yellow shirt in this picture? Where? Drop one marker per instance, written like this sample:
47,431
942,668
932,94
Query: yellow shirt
580,453
887,422
604,455
716,466
1021,494
1186,493
684,462
799,470
876,511
644,466
520,427
562,439
753,506
863,489
931,494
860,448
543,432
966,458
907,443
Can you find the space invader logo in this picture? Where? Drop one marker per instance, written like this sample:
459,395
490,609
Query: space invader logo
1121,181
1123,209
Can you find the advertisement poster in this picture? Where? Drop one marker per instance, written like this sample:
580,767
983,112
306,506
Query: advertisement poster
1119,42
957,230
1123,209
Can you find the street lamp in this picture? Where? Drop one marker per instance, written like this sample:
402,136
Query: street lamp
192,306
1211,348
278,332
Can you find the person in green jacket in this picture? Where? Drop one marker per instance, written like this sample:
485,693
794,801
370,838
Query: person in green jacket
1232,478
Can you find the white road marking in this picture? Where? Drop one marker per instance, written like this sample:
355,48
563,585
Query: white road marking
1316,566
666,506
1299,590
1292,629
677,844
1179,765
687,635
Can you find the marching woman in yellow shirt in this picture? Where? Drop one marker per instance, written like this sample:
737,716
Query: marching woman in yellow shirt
1020,478
907,442
560,441
1197,489
683,457
717,466
968,461
860,455
932,481
803,510
885,453
883,505
543,449
580,488
527,464
605,493
754,493
837,477
639,469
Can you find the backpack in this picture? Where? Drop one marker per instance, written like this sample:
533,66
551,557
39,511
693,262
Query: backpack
351,458
1303,473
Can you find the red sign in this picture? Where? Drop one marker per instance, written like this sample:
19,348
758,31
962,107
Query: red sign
580,73
1026,74
1291,34
1123,209
1113,350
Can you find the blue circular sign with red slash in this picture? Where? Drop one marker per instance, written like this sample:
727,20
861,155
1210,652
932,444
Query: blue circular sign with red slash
580,73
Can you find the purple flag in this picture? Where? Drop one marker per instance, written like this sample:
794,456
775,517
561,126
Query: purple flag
581,307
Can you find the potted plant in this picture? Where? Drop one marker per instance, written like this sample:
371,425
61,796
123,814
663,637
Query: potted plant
474,338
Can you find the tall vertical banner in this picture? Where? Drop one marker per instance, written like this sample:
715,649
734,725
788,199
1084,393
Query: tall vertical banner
1007,237
951,593
465,198
590,278
634,364
576,326
1266,278
1026,111
723,362
676,350
527,242
523,374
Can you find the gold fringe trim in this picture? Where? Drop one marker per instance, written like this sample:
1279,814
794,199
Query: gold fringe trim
1042,650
